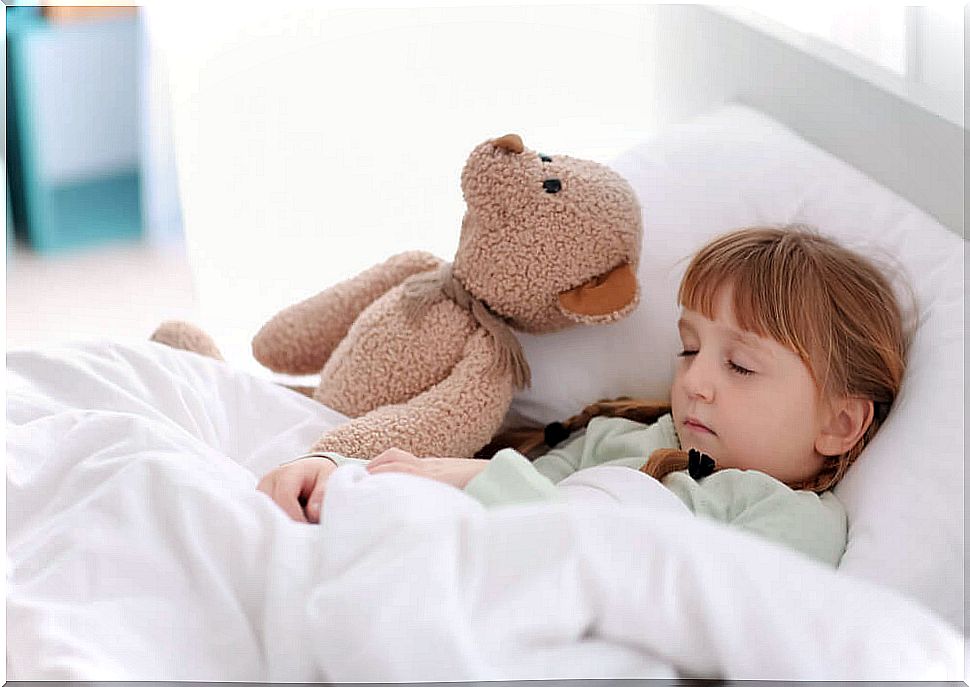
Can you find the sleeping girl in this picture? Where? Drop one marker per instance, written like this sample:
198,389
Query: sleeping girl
793,352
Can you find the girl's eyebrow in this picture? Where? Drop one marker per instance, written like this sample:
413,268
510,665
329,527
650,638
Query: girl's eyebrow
744,337
752,341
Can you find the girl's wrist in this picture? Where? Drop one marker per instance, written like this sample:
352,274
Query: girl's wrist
309,455
469,470
457,472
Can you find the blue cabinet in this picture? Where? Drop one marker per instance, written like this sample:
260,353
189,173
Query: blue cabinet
72,130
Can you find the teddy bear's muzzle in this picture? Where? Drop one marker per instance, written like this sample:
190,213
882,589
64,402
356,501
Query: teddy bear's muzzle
603,297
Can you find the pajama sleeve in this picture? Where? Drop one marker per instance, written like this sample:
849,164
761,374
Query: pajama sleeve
510,478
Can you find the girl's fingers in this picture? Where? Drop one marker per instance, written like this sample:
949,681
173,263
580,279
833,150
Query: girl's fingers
290,505
393,467
267,482
315,502
307,481
388,455
393,455
287,491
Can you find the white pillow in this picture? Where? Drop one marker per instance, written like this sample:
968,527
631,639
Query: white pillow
736,167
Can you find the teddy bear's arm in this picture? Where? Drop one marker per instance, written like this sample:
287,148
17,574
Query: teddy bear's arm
454,418
300,339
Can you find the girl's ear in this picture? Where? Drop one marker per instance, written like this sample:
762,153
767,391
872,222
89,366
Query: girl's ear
847,421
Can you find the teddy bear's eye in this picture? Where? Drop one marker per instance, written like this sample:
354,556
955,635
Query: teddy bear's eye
552,185
545,158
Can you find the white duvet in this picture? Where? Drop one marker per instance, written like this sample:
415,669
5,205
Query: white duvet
139,549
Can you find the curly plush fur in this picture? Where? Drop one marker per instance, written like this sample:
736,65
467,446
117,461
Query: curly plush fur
419,352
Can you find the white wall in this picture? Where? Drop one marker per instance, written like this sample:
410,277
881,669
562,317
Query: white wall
314,142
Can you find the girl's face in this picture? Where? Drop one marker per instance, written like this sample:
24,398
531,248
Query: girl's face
746,401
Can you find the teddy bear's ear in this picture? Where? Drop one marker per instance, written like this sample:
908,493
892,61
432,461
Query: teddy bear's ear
510,142
603,298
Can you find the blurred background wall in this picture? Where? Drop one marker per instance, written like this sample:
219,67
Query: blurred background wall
94,233
313,141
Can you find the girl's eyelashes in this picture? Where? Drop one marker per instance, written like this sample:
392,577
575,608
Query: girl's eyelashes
740,370
734,367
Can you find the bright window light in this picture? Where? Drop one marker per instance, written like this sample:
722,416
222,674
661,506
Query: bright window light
873,31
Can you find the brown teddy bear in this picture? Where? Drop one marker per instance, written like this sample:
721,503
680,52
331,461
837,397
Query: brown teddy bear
419,352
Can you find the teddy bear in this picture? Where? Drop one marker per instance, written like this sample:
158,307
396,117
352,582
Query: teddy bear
421,353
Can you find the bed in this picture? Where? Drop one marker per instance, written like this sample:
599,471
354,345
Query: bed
139,549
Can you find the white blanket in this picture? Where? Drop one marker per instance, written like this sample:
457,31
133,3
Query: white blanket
139,549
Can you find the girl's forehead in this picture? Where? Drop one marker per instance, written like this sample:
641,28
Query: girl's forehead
691,321
708,295
723,309
721,303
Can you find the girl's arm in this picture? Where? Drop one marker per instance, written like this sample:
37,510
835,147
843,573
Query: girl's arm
511,478
507,478
457,472
562,461
299,486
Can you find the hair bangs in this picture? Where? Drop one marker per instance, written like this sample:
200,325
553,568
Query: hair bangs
767,298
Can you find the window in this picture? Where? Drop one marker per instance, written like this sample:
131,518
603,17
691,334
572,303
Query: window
914,52
875,32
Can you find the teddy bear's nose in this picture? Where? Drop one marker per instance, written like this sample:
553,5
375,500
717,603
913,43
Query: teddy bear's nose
509,142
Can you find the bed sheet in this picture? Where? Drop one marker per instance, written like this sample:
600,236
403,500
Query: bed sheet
139,549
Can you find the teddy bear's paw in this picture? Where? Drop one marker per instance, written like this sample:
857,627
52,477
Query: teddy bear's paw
186,337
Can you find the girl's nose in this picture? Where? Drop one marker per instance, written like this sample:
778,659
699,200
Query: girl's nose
701,392
699,379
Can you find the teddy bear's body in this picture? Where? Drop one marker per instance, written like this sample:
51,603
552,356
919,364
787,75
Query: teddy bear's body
386,359
419,352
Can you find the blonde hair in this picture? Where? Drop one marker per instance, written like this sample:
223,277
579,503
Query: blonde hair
830,306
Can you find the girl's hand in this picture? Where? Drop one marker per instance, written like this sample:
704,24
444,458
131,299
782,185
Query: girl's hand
457,472
298,487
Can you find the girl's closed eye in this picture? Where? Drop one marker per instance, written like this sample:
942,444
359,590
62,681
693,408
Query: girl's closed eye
733,366
740,370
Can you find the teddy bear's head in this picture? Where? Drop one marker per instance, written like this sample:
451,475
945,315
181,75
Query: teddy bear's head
547,240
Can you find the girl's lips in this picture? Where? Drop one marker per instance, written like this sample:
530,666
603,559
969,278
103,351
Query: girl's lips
697,426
